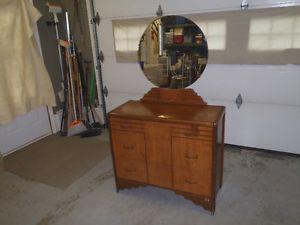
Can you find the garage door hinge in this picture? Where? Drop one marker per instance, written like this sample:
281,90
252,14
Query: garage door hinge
244,5
101,56
239,101
105,91
96,19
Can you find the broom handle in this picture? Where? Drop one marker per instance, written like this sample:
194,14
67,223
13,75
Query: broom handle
59,52
72,86
77,87
70,66
78,83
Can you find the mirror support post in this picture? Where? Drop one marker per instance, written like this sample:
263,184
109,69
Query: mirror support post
161,39
159,11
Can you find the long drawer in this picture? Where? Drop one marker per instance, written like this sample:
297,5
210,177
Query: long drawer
127,124
192,131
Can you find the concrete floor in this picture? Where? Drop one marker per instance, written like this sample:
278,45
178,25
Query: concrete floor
259,188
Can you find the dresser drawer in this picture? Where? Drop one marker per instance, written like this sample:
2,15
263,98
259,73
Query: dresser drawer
192,181
126,124
129,145
131,170
129,154
192,163
192,131
187,152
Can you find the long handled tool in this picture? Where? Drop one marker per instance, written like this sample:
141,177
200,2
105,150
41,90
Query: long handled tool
70,66
93,128
75,118
56,9
76,125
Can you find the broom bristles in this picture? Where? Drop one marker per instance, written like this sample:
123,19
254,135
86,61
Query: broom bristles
76,127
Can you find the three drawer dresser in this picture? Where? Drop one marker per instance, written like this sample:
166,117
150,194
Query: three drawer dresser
170,139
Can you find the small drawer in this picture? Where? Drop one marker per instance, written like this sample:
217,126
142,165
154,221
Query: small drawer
193,181
127,125
131,170
189,152
128,145
192,131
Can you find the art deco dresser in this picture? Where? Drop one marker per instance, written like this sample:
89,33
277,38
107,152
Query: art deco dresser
170,139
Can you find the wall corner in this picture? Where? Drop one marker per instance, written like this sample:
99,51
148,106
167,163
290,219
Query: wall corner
1,163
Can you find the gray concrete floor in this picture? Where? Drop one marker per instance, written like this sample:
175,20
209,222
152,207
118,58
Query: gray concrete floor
259,188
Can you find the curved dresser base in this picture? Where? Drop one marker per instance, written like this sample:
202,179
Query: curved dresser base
206,202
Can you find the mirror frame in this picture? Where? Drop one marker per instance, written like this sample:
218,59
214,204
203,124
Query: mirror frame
173,52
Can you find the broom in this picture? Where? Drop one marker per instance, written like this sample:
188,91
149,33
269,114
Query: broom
76,125
92,128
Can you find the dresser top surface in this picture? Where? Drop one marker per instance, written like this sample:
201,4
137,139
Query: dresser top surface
169,112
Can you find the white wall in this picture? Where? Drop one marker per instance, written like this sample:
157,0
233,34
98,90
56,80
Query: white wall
270,115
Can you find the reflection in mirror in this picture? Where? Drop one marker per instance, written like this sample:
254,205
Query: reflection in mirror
173,52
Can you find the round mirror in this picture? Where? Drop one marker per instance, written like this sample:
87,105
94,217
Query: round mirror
173,52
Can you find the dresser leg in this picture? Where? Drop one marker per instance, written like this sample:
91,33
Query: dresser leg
117,185
127,184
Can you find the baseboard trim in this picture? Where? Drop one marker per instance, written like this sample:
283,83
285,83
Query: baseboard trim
57,120
28,143
267,151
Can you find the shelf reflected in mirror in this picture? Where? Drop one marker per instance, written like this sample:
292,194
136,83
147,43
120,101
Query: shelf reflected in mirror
173,52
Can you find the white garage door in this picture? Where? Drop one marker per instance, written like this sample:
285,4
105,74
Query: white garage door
24,129
270,115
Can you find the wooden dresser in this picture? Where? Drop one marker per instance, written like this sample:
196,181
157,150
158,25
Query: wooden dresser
170,139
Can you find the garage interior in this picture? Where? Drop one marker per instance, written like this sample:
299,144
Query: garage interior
52,174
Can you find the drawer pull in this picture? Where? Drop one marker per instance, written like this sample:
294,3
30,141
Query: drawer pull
130,170
191,182
191,134
125,127
128,147
191,156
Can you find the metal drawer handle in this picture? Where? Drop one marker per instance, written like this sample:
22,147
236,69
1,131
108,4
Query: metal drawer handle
191,156
130,170
191,182
128,147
